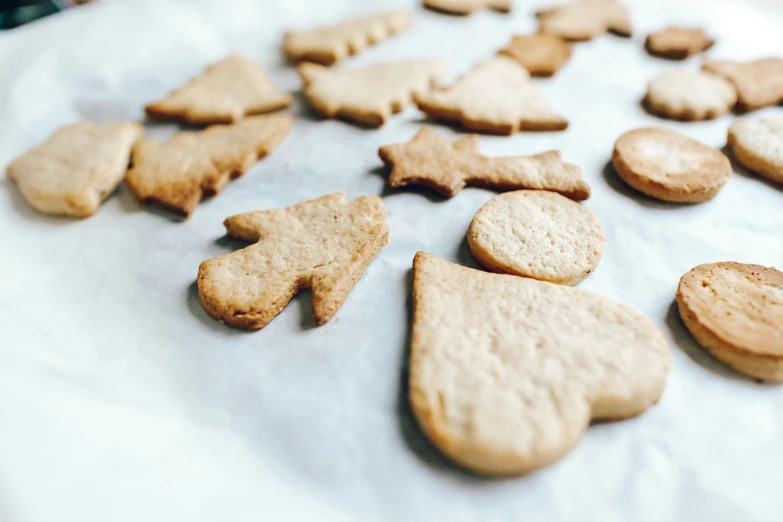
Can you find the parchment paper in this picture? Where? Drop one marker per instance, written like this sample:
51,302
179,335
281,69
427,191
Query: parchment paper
120,400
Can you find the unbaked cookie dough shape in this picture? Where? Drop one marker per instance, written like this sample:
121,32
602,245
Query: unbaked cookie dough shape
331,43
757,144
584,20
735,312
369,95
466,7
670,166
447,167
506,372
537,234
72,172
178,173
678,43
324,244
690,95
496,96
225,92
759,83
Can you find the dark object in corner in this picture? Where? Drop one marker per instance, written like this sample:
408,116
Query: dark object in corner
14,13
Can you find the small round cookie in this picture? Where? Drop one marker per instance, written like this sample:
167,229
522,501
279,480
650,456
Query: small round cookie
735,312
537,234
678,43
690,95
757,144
668,165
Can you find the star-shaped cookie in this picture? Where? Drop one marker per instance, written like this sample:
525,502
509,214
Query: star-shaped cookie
447,167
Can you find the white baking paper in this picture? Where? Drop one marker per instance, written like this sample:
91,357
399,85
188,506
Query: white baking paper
120,400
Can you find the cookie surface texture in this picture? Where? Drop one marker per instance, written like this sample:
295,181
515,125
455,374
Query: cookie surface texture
541,54
369,95
179,172
324,244
757,144
759,83
670,166
537,234
72,172
678,43
225,92
580,20
507,372
735,312
447,167
330,44
496,96
690,95
466,7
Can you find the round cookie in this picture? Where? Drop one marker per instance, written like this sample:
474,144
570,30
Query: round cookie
537,234
670,166
735,312
757,144
690,95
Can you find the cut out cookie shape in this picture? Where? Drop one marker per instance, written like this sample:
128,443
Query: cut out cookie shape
757,144
225,92
670,166
506,372
496,96
580,21
179,172
690,95
678,43
369,95
541,54
532,233
330,44
735,312
324,244
72,172
759,83
466,7
447,167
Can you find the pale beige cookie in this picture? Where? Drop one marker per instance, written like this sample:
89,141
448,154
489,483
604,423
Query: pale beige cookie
369,95
225,92
690,95
541,54
735,312
759,83
447,167
72,172
179,172
324,244
330,44
678,43
466,7
506,372
670,166
579,21
496,96
757,144
538,234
